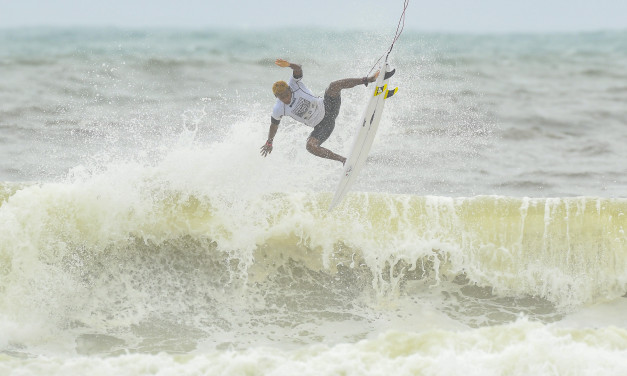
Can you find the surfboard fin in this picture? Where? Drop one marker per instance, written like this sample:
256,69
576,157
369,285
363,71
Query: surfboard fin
389,74
390,93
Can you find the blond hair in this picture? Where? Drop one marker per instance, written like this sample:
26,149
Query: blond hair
279,87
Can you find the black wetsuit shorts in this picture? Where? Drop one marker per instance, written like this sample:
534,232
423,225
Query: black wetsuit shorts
323,130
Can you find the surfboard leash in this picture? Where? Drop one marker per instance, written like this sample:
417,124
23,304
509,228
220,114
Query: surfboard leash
399,31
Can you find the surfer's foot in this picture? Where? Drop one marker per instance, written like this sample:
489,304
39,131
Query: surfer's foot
343,160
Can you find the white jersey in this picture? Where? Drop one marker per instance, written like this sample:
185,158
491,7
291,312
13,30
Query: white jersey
304,107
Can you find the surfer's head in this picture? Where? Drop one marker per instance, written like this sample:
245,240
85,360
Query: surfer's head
282,91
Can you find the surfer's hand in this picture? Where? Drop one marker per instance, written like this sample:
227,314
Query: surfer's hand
266,148
282,63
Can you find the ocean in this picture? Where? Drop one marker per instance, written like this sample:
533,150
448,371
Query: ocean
142,233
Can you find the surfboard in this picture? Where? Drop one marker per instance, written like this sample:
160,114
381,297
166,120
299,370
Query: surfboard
365,135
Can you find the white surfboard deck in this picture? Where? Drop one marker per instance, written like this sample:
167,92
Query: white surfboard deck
367,130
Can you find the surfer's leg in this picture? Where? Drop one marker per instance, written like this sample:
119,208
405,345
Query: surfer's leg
323,130
313,146
336,86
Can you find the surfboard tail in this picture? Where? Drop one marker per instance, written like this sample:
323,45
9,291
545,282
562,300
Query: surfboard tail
390,93
389,74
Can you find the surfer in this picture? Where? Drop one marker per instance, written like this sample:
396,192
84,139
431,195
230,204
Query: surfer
295,100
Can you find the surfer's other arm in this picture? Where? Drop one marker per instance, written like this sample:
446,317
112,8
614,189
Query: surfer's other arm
267,147
298,70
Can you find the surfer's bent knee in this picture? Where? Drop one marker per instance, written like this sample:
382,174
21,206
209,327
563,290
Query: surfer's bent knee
312,143
334,90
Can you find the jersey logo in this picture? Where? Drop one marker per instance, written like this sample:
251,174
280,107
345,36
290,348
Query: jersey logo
301,108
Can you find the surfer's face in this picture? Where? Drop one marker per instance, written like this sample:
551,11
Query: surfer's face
285,97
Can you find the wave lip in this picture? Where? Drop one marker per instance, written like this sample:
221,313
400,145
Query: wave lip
566,250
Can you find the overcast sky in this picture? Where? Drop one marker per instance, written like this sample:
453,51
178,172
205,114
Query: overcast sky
426,15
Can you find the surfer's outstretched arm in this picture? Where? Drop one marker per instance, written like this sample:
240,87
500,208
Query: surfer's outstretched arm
336,86
298,70
267,147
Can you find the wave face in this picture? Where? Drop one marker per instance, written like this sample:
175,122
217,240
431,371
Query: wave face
117,266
